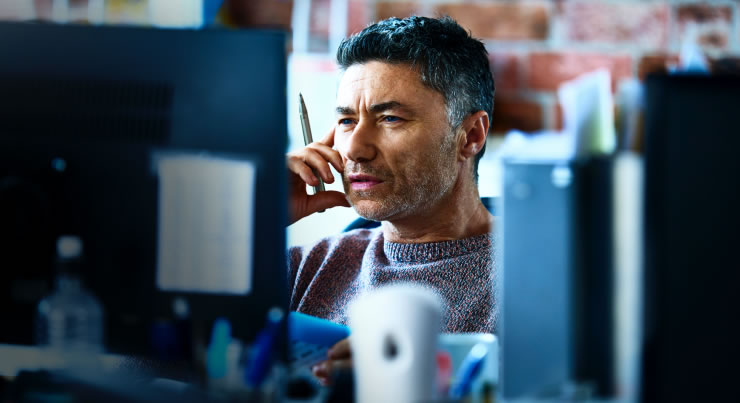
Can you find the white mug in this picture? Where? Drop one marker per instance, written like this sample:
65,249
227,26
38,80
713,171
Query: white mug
394,343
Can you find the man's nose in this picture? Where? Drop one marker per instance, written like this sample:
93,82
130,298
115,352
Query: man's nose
360,144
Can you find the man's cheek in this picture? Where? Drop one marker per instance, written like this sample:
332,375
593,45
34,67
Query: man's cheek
340,144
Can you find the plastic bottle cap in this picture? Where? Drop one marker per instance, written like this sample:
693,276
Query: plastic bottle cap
181,308
69,246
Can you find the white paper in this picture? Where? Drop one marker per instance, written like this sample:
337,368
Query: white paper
588,112
205,224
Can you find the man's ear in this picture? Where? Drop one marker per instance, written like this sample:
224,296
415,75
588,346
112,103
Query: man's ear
475,128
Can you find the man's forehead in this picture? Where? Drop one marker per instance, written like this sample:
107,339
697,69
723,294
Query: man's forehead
378,82
377,73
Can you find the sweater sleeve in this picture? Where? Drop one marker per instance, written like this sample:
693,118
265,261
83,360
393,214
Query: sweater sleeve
295,256
316,269
303,264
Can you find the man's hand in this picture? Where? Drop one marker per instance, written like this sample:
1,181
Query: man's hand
340,357
303,164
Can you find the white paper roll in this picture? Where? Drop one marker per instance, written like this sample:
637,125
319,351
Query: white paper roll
394,341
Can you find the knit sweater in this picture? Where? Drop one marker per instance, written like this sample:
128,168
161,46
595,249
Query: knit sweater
328,275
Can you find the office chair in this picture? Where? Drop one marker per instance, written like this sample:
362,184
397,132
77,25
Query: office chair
489,202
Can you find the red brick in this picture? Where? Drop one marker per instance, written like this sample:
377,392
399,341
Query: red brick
655,63
77,10
260,13
713,24
512,113
506,68
505,21
42,9
703,13
358,16
559,6
388,9
714,39
319,20
547,70
638,23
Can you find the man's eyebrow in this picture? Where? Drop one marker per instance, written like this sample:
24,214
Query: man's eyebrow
375,108
384,106
345,110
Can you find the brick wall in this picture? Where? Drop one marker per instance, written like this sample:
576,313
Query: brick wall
535,45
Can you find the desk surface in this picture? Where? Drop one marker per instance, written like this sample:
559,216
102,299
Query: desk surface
16,358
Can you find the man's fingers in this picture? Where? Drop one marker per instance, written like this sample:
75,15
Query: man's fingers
340,357
321,370
320,166
306,174
307,165
326,200
314,161
341,364
324,370
317,156
341,350
330,155
328,140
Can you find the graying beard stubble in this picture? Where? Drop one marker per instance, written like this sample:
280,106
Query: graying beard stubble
426,192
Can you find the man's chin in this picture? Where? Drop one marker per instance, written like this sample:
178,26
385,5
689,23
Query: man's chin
370,209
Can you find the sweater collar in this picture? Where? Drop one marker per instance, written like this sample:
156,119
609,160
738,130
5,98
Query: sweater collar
432,251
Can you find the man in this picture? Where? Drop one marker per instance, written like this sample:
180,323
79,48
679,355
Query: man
412,116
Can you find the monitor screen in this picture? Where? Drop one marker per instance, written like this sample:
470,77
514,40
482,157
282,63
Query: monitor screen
163,150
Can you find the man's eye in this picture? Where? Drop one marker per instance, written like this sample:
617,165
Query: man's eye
391,119
345,121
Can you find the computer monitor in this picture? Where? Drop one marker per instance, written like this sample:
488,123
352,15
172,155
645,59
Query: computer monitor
164,151
691,347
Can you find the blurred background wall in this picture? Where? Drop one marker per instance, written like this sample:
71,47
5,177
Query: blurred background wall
534,46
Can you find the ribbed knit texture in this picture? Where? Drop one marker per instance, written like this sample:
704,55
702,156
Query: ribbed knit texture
327,276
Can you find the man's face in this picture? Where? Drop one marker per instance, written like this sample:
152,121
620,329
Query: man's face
399,152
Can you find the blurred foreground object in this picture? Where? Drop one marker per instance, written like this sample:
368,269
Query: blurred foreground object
691,209
394,344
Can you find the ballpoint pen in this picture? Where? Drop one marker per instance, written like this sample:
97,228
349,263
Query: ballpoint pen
308,138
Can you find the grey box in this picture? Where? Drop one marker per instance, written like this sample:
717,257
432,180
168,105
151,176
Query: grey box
556,291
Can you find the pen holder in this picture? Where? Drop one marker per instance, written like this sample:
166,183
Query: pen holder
459,346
